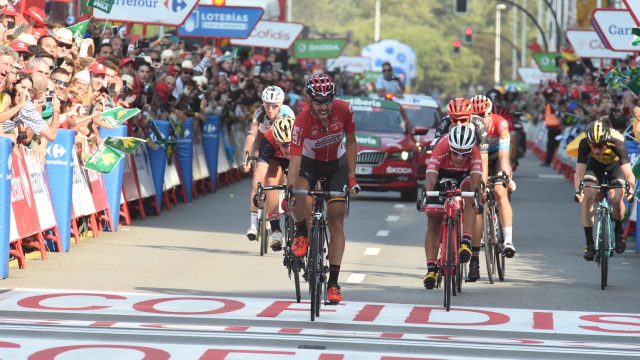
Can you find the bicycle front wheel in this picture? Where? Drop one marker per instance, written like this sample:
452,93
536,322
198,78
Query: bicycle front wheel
313,265
489,243
448,271
603,244
500,258
262,229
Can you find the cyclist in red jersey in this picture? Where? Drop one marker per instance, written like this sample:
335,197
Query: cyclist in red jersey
319,150
499,139
455,157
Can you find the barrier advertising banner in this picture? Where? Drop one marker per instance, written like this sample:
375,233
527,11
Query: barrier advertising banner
171,177
81,194
200,170
318,48
22,201
151,12
614,28
6,146
184,150
59,170
158,160
113,180
143,172
41,196
634,9
273,34
210,143
129,184
587,44
221,21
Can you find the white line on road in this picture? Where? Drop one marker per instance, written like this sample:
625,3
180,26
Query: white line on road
355,278
383,233
550,176
399,206
372,251
392,218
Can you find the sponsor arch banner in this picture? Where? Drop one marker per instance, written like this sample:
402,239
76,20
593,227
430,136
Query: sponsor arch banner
273,34
59,170
588,44
614,28
6,146
150,12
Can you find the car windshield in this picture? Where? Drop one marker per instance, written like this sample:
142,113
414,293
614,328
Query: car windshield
379,119
422,116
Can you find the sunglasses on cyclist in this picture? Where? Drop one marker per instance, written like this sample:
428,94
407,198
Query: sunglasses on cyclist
601,146
284,145
460,153
323,101
460,120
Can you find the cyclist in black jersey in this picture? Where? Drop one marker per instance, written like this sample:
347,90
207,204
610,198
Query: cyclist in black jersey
602,150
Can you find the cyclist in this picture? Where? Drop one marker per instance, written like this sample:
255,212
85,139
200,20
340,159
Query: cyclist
273,161
319,150
460,111
602,149
454,157
499,139
272,107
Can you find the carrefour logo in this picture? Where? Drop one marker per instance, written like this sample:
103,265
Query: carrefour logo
210,128
56,151
175,5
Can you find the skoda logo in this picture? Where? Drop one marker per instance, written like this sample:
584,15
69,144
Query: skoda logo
302,47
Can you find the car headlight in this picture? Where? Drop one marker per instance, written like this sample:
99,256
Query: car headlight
404,155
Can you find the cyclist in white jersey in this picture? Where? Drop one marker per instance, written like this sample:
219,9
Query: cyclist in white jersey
263,118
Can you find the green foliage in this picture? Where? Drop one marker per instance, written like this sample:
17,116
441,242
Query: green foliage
429,27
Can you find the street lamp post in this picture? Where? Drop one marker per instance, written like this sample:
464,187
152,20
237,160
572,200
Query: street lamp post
376,33
496,68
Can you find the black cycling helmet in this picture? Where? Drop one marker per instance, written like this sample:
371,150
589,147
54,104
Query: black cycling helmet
598,132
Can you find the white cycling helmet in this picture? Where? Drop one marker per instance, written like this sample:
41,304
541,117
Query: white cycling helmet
273,95
282,128
462,138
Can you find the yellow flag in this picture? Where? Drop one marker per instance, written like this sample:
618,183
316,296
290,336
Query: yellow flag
572,147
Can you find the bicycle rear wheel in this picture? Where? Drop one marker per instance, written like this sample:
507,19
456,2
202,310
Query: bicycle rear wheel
460,266
448,271
313,265
489,243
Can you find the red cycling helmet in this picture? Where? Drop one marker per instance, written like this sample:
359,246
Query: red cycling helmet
320,85
481,105
459,107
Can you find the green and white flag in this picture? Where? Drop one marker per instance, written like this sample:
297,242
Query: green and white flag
127,145
104,160
636,37
78,30
177,125
117,116
102,5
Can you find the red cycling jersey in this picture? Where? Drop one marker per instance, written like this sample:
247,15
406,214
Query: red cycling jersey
310,138
441,160
268,136
498,136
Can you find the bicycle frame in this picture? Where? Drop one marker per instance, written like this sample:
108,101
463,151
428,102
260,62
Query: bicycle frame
453,210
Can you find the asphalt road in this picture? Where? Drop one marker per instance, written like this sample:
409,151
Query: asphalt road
188,284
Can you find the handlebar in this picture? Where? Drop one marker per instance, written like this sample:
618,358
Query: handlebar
322,194
446,193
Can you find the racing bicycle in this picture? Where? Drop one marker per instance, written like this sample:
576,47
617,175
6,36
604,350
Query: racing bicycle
492,237
317,263
451,271
605,237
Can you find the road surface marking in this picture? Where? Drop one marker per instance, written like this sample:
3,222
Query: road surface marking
392,218
383,233
399,206
551,176
372,250
355,278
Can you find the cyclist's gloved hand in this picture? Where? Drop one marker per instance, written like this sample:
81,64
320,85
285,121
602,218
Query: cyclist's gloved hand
353,185
577,197
511,186
291,199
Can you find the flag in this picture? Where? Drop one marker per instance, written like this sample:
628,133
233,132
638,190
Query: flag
127,145
569,55
102,5
636,36
117,116
634,85
177,125
156,136
104,160
78,30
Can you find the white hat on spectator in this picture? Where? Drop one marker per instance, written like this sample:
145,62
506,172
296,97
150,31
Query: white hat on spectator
128,79
200,80
167,54
63,35
83,75
187,64
28,38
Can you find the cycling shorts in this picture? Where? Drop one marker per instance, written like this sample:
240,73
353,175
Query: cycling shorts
435,204
336,173
595,172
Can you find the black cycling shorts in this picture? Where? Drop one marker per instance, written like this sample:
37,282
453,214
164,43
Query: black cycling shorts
336,173
435,204
595,172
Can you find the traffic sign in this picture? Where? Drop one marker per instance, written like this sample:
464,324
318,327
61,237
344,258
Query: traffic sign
221,21
587,44
273,34
318,48
614,28
546,61
168,12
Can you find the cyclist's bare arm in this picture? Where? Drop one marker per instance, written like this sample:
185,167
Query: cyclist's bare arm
352,154
484,160
581,169
504,156
628,176
294,169
430,181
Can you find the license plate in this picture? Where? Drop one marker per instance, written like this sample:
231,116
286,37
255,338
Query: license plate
364,170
